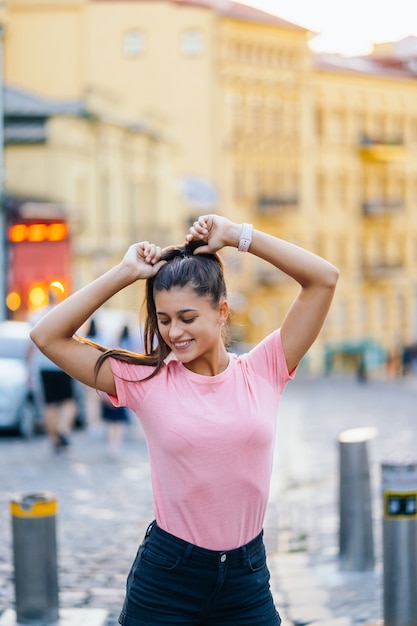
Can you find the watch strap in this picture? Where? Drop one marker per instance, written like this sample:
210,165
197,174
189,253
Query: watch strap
245,237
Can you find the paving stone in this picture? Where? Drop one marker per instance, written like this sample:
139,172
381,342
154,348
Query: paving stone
67,617
307,595
301,579
307,613
335,621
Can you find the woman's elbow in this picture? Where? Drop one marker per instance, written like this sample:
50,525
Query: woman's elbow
326,278
333,276
38,336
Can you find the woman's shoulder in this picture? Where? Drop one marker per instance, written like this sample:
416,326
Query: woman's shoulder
269,343
266,359
131,370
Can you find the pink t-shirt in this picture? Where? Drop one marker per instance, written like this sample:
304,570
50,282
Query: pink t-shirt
210,441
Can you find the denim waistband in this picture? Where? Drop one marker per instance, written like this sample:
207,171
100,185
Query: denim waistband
189,551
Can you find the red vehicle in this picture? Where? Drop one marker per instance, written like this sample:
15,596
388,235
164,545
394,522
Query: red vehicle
38,249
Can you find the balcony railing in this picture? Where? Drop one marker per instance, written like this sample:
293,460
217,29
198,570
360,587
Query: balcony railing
267,205
382,206
382,150
380,270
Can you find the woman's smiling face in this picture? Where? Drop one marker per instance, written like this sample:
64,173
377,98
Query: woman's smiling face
189,324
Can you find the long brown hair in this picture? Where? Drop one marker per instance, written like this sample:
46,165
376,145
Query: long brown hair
204,273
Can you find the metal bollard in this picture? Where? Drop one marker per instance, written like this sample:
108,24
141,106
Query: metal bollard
399,485
356,542
35,557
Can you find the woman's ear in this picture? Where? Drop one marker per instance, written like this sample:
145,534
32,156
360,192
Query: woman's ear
223,311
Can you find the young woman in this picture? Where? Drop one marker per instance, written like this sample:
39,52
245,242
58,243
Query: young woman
208,416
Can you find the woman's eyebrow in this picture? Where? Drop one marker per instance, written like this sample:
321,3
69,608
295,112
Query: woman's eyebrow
180,312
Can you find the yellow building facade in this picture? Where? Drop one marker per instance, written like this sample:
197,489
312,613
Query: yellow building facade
108,175
366,196
201,106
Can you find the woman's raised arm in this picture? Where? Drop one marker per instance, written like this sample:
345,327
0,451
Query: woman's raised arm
316,277
54,333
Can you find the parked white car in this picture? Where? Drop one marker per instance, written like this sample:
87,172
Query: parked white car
20,402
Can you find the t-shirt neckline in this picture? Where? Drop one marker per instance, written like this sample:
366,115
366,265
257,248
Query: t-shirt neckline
201,377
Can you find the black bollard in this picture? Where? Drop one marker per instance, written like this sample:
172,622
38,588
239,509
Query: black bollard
399,484
35,557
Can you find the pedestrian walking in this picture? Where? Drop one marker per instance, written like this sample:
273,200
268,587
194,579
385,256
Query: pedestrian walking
208,416
92,400
116,417
61,406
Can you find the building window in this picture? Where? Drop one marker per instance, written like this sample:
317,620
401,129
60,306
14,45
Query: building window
133,209
255,106
104,218
320,123
336,125
238,184
192,42
134,43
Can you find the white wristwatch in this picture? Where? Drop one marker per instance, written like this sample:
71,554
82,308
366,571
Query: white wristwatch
245,237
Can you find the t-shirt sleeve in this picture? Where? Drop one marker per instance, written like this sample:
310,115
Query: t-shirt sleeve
267,358
128,378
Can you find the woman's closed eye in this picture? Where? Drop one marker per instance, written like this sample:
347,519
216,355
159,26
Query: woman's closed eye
188,320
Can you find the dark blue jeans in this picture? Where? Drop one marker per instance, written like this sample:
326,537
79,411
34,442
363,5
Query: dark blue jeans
174,582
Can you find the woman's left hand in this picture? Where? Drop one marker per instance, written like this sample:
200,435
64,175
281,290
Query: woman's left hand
216,231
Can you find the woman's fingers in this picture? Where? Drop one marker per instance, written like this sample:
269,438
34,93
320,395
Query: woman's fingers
198,230
149,252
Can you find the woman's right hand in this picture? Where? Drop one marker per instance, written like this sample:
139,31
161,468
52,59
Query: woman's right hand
54,334
143,259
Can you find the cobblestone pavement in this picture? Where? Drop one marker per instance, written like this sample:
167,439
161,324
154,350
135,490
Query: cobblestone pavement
105,506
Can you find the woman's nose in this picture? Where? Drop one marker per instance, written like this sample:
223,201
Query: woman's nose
175,330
